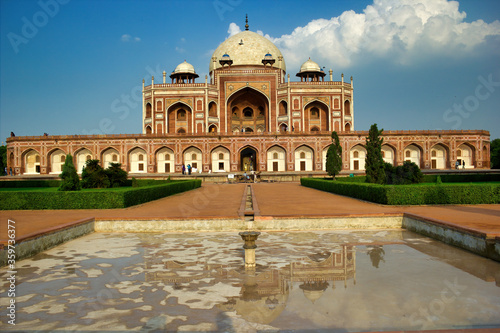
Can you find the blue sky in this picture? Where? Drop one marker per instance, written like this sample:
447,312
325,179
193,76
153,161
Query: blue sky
76,66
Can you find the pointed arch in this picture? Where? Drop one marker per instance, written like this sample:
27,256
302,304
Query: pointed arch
357,155
317,115
31,161
179,116
165,160
109,155
304,158
276,158
249,109
137,160
413,153
389,153
439,156
193,156
82,155
249,158
221,159
467,155
56,158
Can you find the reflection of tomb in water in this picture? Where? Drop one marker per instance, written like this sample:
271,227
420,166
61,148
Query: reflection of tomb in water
264,292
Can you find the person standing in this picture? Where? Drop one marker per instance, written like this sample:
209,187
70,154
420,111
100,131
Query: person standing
189,168
183,169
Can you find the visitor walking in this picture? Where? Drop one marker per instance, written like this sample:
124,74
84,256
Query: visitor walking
183,169
189,168
10,171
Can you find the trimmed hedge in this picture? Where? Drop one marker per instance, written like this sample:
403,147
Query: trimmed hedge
29,183
465,178
411,194
92,199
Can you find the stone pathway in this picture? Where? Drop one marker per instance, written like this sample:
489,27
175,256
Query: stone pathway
273,199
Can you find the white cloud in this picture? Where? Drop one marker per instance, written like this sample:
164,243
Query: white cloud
405,31
127,38
233,29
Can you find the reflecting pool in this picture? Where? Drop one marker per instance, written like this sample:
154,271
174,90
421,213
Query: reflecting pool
325,280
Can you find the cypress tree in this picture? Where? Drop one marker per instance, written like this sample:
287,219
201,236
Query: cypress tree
334,156
374,163
70,180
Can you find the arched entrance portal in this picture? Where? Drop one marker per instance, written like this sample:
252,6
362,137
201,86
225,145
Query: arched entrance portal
248,159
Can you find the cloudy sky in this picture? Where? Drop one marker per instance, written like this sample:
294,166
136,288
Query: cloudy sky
76,66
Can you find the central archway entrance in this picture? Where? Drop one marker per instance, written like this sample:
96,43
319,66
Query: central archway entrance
248,159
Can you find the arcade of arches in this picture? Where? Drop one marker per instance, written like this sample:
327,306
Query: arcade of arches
276,158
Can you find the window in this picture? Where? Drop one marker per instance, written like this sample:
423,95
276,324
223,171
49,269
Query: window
37,159
355,154
275,156
114,158
167,157
408,153
148,110
302,155
181,131
383,154
141,166
314,113
193,156
141,157
181,115
459,152
221,156
433,153
63,158
88,158
248,113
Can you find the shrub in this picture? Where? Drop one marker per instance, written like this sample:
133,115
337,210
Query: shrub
116,175
410,194
70,179
408,173
92,199
94,176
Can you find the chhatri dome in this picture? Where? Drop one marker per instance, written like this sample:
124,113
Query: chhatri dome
247,48
309,66
184,68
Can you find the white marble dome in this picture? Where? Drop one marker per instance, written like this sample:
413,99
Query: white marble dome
183,68
247,48
310,66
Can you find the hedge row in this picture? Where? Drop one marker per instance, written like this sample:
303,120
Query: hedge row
29,183
57,183
464,178
411,194
92,199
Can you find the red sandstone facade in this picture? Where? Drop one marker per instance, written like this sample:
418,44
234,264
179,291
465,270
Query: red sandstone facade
249,116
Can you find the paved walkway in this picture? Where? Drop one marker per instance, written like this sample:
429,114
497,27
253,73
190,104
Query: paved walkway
273,199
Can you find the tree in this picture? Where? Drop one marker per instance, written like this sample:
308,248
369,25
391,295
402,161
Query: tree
94,176
3,160
334,156
495,154
374,163
70,180
116,175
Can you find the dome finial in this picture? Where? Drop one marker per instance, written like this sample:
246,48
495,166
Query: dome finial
246,21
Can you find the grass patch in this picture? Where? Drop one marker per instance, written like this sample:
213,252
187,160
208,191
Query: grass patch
121,197
419,194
